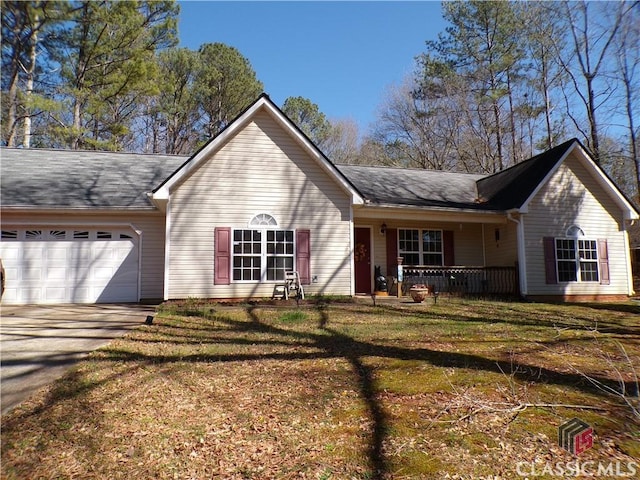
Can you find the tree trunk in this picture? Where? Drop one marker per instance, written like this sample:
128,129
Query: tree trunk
593,125
33,53
547,98
14,69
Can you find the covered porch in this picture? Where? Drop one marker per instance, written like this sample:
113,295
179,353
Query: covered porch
461,253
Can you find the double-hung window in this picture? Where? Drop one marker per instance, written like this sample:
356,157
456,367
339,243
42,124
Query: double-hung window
262,254
420,247
247,255
279,253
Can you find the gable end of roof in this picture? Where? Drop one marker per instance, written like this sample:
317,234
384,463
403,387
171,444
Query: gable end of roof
513,187
163,190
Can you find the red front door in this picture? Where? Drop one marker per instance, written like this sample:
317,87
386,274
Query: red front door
362,259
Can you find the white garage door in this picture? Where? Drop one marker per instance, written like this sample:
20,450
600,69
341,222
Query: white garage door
69,265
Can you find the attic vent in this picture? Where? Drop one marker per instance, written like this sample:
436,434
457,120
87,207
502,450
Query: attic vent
575,231
263,220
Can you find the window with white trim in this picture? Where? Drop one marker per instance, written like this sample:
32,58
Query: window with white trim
420,247
247,254
577,257
262,254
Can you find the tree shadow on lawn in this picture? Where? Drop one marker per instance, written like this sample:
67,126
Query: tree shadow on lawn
532,320
332,344
329,343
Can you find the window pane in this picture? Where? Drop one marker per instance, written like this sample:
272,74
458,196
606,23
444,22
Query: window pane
589,271
432,259
565,249
432,241
410,258
409,246
567,271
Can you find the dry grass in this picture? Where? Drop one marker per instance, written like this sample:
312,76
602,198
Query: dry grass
462,389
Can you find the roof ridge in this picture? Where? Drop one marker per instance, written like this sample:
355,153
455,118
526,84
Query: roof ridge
411,169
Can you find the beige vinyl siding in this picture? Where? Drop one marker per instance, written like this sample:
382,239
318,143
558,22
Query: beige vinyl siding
151,245
504,252
467,240
259,170
573,197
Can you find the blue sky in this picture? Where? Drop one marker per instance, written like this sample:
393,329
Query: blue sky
340,55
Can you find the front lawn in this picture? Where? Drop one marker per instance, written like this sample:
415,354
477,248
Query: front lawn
461,389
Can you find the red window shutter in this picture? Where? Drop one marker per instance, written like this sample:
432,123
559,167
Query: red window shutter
603,259
303,255
222,256
551,275
392,252
447,246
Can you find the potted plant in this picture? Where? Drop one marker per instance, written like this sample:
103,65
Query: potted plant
419,292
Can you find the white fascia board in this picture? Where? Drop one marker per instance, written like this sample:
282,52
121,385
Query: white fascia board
629,212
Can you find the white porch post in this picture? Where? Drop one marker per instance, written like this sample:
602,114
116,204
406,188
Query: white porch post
400,277
522,258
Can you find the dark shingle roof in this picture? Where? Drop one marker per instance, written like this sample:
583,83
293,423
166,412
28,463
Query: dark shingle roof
81,179
510,188
86,179
413,187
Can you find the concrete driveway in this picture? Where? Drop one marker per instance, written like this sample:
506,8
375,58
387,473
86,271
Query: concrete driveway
39,343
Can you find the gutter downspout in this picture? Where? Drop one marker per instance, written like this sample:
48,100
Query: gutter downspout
522,260
627,248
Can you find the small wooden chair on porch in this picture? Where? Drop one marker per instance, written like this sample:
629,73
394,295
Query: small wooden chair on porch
291,283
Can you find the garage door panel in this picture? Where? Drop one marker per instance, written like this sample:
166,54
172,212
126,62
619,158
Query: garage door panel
78,294
10,254
57,253
55,294
56,273
81,254
30,295
102,273
31,273
82,270
33,253
10,295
